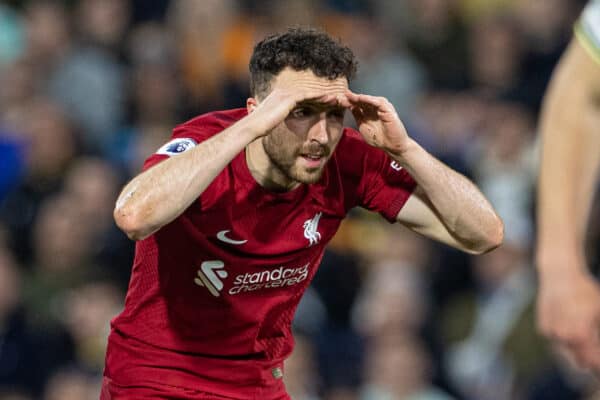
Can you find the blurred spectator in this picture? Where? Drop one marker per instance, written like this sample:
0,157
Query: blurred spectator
547,24
151,44
103,23
156,98
14,395
280,15
12,36
339,348
19,85
92,66
49,146
494,349
300,377
471,10
448,122
93,184
143,11
438,39
506,166
48,34
495,58
386,68
11,163
18,364
561,379
61,247
398,367
201,60
498,351
401,289
547,28
71,384
86,311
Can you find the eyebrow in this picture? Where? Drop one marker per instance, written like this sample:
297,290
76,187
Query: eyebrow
319,105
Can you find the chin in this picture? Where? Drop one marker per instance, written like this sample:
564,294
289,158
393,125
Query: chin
308,177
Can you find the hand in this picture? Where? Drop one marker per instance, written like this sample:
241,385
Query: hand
568,312
378,123
290,90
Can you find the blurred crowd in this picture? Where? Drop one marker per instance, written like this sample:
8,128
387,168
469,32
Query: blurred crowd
90,88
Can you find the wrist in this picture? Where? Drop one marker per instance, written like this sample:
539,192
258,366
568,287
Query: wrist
252,127
560,265
404,152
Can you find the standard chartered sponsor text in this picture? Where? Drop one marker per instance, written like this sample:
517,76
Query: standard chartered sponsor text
275,278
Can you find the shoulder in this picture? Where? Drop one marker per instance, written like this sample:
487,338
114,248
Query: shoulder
354,153
210,123
351,145
188,134
587,29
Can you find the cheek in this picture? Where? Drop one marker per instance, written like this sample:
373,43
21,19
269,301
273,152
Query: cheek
298,127
285,140
336,134
281,144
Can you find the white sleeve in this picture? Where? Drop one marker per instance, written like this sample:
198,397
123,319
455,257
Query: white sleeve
587,29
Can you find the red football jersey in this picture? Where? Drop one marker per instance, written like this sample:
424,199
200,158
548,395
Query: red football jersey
212,294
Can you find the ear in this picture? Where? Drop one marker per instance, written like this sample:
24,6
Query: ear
251,104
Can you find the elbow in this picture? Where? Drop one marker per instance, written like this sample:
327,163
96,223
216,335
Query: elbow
131,223
492,238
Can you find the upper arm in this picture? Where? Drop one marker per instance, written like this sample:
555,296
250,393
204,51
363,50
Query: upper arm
569,128
579,68
419,215
587,30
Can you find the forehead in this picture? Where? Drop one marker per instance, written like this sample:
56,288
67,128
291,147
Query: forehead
289,78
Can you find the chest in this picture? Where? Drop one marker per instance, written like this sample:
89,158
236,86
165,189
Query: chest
265,227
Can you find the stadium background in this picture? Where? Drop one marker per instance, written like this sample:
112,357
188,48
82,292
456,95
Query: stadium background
89,88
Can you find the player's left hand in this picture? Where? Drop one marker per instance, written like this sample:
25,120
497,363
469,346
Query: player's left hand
378,123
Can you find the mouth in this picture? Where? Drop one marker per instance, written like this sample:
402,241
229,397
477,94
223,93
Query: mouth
313,160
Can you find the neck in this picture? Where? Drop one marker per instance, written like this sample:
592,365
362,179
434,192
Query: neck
262,169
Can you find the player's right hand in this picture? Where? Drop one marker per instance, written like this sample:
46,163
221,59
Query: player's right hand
568,313
290,90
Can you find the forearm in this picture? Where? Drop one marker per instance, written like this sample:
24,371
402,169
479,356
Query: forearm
570,159
462,209
160,194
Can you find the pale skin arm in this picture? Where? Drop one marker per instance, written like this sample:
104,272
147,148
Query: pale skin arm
162,193
446,206
569,297
157,196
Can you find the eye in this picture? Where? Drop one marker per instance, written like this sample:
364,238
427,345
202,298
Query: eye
301,112
337,113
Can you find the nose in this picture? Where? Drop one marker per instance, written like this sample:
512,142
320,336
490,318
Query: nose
318,131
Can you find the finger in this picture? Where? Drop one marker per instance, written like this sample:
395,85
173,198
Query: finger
358,113
381,104
585,351
343,101
377,102
390,116
352,97
590,350
327,99
306,95
567,355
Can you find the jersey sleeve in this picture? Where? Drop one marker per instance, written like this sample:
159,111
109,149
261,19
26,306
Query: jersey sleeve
587,29
385,186
185,137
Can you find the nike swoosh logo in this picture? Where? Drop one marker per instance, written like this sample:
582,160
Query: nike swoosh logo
221,236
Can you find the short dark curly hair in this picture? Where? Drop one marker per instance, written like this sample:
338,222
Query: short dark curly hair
300,49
